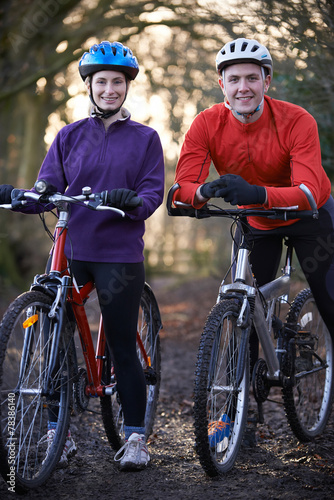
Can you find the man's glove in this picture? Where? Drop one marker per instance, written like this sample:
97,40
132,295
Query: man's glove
5,194
123,198
208,190
237,191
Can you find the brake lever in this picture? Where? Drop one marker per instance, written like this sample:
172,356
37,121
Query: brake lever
17,196
96,202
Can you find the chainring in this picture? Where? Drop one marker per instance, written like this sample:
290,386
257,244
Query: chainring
80,398
261,385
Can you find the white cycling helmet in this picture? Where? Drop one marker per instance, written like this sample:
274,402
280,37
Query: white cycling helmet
243,50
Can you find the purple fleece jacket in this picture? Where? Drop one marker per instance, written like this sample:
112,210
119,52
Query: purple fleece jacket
127,155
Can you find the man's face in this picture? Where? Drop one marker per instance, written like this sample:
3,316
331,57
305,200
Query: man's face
244,87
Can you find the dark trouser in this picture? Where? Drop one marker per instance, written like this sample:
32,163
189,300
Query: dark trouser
119,287
313,241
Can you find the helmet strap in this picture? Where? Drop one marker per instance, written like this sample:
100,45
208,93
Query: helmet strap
244,115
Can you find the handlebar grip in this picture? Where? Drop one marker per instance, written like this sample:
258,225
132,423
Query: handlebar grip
300,214
289,214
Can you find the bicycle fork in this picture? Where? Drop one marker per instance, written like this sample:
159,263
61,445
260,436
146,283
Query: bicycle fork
252,310
245,294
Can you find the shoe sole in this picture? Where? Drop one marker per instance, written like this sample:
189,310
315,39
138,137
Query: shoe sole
129,466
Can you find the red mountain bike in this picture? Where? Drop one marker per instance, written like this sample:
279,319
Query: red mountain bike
39,371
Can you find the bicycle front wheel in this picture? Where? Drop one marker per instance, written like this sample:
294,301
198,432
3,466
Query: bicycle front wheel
308,402
221,389
28,454
148,350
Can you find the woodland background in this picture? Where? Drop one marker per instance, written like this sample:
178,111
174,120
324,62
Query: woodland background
41,42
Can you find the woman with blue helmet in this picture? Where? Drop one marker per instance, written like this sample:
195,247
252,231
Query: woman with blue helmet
109,151
102,57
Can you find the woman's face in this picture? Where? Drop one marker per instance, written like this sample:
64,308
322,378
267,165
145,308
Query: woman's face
109,89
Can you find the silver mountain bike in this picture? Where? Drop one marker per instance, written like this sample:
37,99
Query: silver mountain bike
298,352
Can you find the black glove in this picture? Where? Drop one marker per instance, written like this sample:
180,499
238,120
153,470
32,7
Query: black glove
209,189
237,191
122,198
5,194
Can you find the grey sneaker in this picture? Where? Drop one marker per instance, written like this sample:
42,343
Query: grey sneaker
134,453
69,450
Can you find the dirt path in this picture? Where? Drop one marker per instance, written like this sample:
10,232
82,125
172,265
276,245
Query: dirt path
278,467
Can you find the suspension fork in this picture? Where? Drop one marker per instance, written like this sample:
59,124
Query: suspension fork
26,353
245,323
243,327
243,290
56,314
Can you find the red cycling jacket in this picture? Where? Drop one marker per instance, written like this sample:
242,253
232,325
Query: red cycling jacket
280,151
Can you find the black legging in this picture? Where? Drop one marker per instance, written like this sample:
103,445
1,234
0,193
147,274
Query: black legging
313,241
119,287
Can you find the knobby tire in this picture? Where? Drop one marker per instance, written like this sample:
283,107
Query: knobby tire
26,403
308,403
217,394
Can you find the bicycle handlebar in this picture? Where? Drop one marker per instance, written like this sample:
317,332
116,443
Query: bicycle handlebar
94,201
282,213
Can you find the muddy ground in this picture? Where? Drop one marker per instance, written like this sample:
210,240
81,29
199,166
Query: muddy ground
277,467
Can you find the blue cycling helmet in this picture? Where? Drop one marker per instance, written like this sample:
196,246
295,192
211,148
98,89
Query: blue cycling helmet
109,56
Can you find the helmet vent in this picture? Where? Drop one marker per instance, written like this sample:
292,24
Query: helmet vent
232,47
103,51
114,50
255,48
244,46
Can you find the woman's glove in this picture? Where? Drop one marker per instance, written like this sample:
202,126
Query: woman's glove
5,194
124,199
235,190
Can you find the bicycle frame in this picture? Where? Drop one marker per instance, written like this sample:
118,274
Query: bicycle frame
243,285
67,290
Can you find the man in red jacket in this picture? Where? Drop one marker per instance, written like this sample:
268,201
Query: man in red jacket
263,149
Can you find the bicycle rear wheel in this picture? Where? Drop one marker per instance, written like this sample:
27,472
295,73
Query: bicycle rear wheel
221,389
308,403
148,327
27,455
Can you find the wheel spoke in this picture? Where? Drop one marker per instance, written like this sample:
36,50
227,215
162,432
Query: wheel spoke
28,334
220,402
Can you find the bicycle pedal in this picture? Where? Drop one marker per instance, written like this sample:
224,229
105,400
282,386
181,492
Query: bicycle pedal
150,376
304,333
